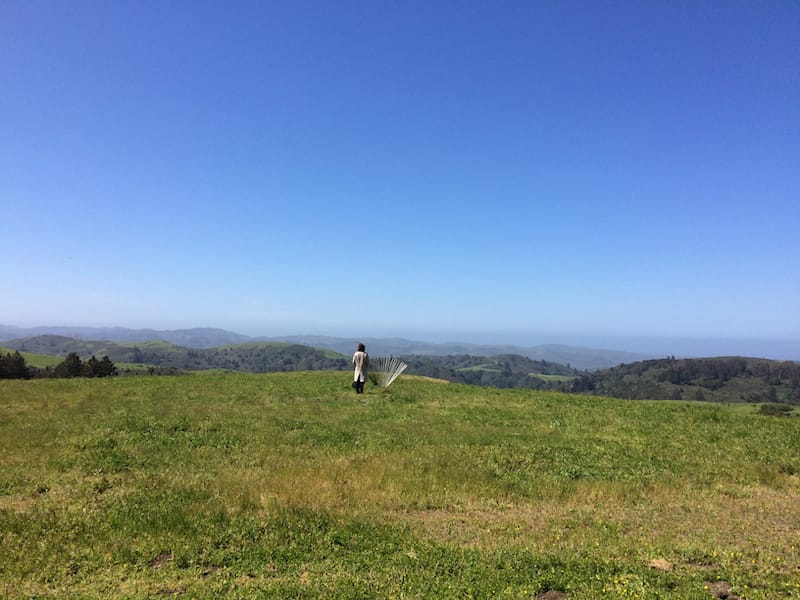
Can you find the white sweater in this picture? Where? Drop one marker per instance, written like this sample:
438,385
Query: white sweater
360,361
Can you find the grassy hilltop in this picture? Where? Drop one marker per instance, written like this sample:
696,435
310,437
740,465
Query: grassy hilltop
288,485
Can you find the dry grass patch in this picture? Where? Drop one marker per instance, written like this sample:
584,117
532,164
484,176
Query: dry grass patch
697,528
424,378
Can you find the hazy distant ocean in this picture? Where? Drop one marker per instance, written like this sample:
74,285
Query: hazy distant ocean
699,347
776,349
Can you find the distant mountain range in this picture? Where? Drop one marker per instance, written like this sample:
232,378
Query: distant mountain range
206,338
190,338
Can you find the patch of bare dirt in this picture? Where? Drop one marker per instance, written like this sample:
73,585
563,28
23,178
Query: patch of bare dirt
721,589
160,560
660,564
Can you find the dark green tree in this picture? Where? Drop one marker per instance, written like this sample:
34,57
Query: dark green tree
12,366
93,367
72,366
107,368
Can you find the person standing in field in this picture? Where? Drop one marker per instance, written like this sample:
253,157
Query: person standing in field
360,362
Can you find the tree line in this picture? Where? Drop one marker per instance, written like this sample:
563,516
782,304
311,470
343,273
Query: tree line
14,366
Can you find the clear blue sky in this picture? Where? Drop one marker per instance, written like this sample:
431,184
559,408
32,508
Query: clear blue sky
421,169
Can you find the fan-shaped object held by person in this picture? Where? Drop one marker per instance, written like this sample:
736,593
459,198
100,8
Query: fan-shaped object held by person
383,370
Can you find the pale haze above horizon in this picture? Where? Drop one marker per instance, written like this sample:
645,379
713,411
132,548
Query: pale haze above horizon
450,170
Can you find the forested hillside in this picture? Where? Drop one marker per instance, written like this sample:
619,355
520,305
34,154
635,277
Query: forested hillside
729,379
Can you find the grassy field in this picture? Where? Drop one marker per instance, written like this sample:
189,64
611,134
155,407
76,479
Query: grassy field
291,486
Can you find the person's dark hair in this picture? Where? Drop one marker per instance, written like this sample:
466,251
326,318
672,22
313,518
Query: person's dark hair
361,347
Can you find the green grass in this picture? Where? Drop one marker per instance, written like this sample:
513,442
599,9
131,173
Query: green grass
489,369
291,486
552,377
492,368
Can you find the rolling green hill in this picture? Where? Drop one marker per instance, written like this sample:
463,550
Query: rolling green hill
288,485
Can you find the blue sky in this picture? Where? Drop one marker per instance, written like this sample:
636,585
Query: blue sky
424,169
